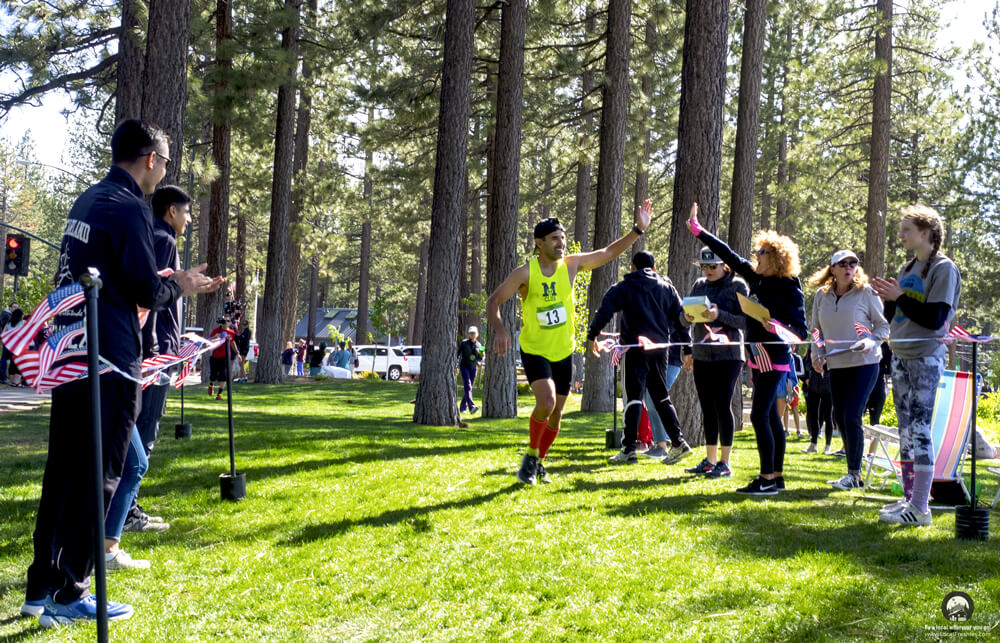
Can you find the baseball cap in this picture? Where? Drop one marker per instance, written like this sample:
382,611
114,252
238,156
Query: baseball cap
840,255
707,256
473,329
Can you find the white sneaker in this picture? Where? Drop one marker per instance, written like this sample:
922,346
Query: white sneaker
678,453
624,457
894,507
908,515
846,483
121,560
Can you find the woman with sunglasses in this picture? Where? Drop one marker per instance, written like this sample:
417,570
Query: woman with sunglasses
848,315
921,304
716,368
774,281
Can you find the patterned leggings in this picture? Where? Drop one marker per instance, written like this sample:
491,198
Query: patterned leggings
914,386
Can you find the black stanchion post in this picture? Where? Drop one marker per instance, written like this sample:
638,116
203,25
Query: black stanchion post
973,522
91,282
183,429
233,485
613,437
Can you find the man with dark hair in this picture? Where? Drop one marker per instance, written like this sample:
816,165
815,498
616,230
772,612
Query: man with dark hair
547,343
109,228
161,333
650,308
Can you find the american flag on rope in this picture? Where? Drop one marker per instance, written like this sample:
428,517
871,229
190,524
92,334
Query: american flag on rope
958,332
761,359
159,362
715,335
784,333
190,350
819,341
861,330
647,344
54,347
58,301
42,381
616,355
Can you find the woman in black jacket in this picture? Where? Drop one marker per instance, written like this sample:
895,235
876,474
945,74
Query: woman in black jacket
717,367
774,281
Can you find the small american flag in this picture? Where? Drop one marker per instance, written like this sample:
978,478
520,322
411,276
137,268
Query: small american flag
817,339
762,361
58,301
54,347
960,333
616,355
784,333
715,335
861,330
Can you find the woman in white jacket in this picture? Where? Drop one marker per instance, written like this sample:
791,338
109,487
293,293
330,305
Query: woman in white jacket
849,317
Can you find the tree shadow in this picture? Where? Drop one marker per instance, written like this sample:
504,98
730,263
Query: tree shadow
326,530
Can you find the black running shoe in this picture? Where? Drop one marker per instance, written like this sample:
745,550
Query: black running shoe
529,469
759,487
701,468
541,474
779,483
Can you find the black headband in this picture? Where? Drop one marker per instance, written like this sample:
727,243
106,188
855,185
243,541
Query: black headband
545,227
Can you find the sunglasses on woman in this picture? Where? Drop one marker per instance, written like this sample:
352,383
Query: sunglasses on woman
709,266
760,252
848,263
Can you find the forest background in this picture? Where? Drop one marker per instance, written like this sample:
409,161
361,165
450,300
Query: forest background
310,132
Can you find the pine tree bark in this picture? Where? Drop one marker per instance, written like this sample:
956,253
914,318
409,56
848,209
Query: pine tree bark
217,233
164,93
641,191
241,255
584,167
699,161
781,205
269,370
436,396
598,373
747,127
499,390
878,172
417,329
131,59
364,276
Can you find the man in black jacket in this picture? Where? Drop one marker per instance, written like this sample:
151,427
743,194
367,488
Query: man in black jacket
652,309
110,228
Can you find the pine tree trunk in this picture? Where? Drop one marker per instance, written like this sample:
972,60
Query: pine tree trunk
747,127
641,192
878,173
128,90
436,395
499,390
269,370
598,374
362,322
418,315
164,93
584,168
217,233
699,160
781,205
313,293
241,255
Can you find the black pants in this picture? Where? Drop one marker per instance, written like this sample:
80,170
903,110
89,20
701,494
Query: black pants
849,390
766,422
819,411
716,383
65,529
647,369
876,401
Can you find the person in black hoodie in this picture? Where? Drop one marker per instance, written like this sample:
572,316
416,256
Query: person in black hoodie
650,308
717,367
774,282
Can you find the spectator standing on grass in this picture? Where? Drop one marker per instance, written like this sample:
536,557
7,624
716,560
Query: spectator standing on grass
288,358
819,409
243,346
218,365
773,280
316,356
4,355
845,309
651,309
470,353
342,358
300,358
13,373
921,304
716,362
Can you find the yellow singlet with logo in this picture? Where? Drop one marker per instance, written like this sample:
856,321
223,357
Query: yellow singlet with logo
548,313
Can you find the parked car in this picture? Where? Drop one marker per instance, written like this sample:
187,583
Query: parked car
389,363
412,359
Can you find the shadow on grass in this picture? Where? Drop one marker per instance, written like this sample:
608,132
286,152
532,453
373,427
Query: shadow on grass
418,515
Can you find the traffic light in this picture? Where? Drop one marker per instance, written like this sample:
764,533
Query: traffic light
16,250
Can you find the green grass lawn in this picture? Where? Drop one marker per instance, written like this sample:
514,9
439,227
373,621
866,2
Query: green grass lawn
360,525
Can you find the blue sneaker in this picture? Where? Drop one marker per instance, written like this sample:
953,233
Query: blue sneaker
82,610
33,608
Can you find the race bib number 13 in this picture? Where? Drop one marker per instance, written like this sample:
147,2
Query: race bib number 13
552,317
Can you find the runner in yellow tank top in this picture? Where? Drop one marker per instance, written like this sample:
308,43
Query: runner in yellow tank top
547,335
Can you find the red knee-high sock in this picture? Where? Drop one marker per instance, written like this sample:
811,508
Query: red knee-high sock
535,430
548,437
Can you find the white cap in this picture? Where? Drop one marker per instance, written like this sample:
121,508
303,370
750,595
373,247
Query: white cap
840,255
473,329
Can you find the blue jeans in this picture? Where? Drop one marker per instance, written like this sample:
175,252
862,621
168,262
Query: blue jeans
468,377
135,467
299,367
655,423
154,403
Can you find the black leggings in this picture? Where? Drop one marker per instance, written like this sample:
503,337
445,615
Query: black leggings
716,383
647,370
819,411
766,421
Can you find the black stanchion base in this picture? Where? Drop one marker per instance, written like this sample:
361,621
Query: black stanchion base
613,438
972,523
233,486
182,431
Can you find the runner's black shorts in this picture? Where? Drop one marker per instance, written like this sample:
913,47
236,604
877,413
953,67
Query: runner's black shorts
537,367
217,369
